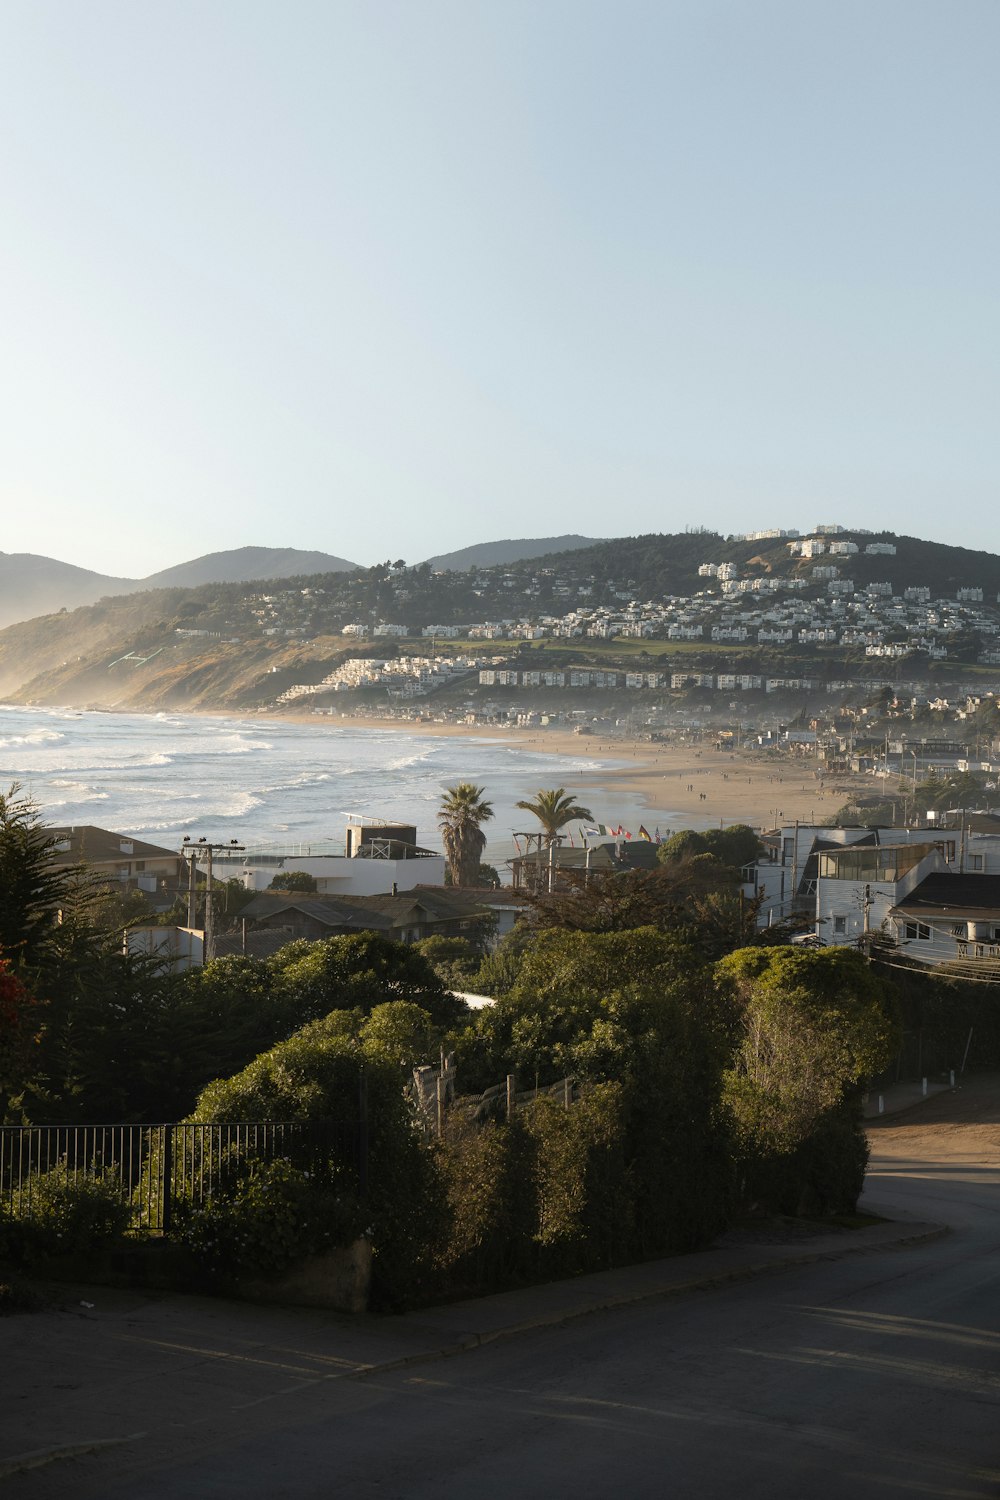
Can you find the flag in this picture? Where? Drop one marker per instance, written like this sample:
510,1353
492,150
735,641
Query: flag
599,832
644,833
656,835
627,833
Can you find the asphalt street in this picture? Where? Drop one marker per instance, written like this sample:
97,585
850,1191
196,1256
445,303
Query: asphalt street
874,1374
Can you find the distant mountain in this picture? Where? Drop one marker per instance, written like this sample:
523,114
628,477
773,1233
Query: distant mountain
31,585
495,554
219,645
244,564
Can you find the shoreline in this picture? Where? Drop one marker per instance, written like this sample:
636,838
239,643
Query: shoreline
660,784
688,786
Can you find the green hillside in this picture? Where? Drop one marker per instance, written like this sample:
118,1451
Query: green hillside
240,644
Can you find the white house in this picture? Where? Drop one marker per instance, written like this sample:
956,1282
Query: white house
950,918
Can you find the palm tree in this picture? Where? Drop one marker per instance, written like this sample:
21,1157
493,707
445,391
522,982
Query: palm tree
554,810
461,812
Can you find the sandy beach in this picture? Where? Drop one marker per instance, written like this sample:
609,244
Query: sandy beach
688,786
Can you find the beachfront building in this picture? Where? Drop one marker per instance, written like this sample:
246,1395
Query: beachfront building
120,859
950,918
376,858
788,878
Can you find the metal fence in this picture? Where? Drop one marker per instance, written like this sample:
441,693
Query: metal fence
155,1167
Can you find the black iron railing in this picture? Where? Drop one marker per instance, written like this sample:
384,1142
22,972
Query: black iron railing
156,1167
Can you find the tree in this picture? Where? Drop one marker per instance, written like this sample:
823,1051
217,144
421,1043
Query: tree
809,1027
461,814
683,844
455,960
294,880
19,1019
33,890
554,809
358,972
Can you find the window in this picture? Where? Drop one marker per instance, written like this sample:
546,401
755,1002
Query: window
975,862
840,924
918,930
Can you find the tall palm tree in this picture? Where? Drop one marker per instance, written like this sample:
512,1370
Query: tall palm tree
554,809
461,812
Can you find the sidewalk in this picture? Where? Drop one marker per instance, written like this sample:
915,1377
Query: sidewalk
102,1367
898,1097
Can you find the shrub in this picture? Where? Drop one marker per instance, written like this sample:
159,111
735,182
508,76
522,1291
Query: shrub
489,1178
270,1215
72,1215
584,1218
318,1074
822,1177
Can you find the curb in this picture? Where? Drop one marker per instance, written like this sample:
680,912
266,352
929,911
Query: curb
926,1234
22,1462
923,1234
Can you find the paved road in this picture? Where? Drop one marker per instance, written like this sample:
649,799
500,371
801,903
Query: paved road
875,1375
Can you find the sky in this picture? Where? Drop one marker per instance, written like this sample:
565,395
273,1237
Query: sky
390,279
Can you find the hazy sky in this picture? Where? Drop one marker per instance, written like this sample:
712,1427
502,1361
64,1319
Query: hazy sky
393,278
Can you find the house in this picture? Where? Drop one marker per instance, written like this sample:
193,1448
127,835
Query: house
402,917
789,880
950,918
376,859
120,859
858,886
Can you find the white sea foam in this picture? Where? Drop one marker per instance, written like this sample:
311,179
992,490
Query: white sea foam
165,775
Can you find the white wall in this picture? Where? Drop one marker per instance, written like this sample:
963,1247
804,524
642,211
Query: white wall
335,874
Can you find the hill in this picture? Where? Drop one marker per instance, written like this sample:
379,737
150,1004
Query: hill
246,564
494,554
32,585
239,645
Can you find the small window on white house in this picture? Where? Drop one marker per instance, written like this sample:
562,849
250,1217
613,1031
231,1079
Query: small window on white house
840,924
975,862
918,930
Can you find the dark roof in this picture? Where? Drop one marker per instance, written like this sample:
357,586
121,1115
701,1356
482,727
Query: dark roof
92,845
329,911
988,822
946,895
378,913
262,944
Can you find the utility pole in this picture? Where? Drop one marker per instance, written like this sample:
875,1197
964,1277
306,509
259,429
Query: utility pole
192,851
192,913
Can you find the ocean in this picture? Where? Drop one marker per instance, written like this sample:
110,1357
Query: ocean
163,776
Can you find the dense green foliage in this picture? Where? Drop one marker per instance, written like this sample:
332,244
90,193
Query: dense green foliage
66,1215
318,1075
694,1075
293,880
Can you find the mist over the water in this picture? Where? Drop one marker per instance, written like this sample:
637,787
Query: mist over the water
166,775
